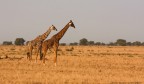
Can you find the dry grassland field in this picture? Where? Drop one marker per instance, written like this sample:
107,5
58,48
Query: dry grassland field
76,65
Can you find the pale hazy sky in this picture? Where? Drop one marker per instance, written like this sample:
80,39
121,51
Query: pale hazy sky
96,20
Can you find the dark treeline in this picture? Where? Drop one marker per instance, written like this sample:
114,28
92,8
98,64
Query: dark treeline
118,42
84,41
18,41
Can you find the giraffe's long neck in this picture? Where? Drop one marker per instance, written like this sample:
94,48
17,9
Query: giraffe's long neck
45,35
60,34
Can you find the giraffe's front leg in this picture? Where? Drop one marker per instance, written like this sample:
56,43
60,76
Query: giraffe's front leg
29,53
30,57
40,51
43,53
55,58
37,51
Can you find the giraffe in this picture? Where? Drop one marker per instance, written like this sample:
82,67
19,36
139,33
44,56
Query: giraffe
53,42
37,42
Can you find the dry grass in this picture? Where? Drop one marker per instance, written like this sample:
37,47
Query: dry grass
76,64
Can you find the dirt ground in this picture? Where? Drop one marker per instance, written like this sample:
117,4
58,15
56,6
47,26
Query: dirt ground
76,65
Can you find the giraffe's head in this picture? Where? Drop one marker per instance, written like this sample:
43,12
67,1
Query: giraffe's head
53,28
71,24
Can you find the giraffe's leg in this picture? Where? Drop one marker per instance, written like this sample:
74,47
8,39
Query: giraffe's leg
30,58
28,55
40,53
44,51
55,58
37,51
40,49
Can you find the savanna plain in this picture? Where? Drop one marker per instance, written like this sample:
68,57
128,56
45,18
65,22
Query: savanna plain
76,65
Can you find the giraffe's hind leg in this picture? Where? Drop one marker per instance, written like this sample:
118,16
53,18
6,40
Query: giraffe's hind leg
28,55
36,55
43,53
55,58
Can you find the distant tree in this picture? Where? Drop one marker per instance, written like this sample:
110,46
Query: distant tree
98,43
103,44
129,43
136,43
73,44
63,44
91,43
83,41
121,42
142,43
19,41
111,44
7,43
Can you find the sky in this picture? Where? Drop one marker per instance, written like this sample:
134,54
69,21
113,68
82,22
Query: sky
96,20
